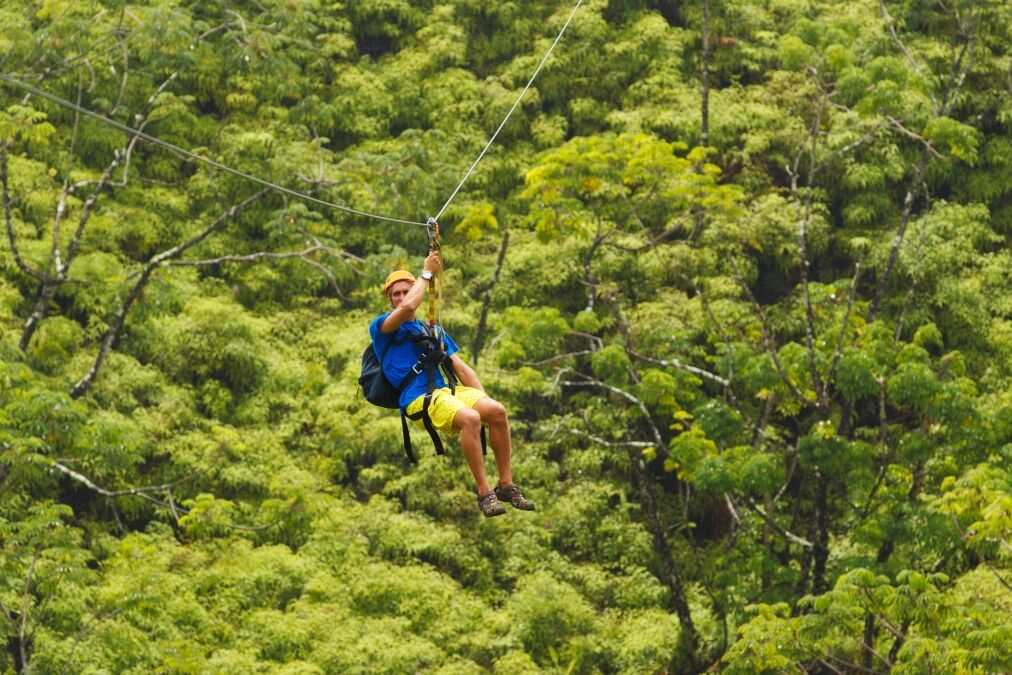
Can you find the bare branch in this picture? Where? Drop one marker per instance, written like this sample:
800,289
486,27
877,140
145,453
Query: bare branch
594,339
217,29
252,257
479,333
559,357
867,136
261,255
804,217
675,363
890,24
1002,580
787,480
23,628
86,210
9,221
123,81
588,381
143,493
723,336
119,318
325,271
731,508
767,334
960,69
916,185
85,54
61,207
896,125
136,491
94,623
609,444
759,427
829,665
838,352
49,285
775,525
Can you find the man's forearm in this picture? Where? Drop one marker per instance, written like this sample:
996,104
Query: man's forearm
413,299
466,375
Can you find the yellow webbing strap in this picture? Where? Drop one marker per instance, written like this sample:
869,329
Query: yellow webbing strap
436,287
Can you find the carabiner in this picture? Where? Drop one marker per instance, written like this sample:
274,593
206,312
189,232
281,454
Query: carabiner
432,232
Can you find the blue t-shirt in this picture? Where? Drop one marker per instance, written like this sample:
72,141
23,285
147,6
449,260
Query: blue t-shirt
398,358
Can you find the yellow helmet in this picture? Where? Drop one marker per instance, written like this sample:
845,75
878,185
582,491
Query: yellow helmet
395,276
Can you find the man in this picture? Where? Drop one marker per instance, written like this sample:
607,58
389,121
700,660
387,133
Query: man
454,414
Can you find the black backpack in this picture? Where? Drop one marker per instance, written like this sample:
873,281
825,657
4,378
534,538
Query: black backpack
380,392
374,383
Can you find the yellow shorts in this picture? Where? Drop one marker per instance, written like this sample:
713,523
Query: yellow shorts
445,405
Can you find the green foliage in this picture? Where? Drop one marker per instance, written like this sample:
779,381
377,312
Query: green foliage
757,381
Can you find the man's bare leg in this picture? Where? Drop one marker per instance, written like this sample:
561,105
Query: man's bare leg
469,423
494,414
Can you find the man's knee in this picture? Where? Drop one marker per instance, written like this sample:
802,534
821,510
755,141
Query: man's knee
493,411
465,419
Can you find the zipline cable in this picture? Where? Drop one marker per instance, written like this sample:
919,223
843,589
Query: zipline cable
192,155
515,104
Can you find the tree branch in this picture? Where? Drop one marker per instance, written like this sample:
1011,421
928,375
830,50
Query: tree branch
143,493
23,627
95,622
559,357
50,285
589,381
838,352
9,221
61,206
675,363
609,444
135,491
804,220
767,334
908,204
479,333
899,126
728,391
890,24
252,257
789,536
119,319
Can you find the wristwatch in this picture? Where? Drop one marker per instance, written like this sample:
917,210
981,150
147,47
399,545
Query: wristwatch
426,274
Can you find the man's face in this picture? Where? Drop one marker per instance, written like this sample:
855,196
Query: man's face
397,292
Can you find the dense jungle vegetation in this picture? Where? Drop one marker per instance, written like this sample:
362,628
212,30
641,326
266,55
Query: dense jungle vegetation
739,269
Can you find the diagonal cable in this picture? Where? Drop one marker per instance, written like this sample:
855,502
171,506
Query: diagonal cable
515,104
192,155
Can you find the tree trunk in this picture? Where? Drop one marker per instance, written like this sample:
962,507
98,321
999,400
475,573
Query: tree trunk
479,333
685,658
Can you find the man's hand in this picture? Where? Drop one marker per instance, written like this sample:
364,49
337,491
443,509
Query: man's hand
433,262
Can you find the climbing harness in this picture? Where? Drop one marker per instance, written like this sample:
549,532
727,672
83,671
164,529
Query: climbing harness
433,357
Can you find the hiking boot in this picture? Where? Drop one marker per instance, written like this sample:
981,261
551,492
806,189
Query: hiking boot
511,493
489,505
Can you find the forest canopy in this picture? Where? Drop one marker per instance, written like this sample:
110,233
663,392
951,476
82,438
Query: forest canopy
740,270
